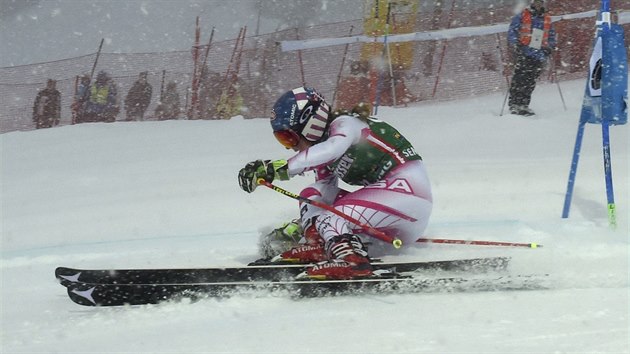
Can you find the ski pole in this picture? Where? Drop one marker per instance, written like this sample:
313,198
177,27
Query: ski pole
504,102
479,243
554,77
343,60
98,54
506,66
396,242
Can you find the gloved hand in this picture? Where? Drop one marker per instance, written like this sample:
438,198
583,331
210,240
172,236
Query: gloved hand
269,171
547,51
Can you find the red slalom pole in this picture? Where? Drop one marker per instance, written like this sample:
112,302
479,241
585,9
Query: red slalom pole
397,243
479,243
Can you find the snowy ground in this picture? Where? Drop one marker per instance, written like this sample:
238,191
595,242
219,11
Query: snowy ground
164,194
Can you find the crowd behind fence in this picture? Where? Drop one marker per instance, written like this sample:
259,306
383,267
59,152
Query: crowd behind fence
441,69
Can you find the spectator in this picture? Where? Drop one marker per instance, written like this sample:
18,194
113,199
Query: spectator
47,106
168,107
80,98
209,93
531,39
102,102
138,98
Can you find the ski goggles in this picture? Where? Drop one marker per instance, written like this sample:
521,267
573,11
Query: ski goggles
288,138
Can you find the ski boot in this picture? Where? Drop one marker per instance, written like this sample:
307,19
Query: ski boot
281,239
312,251
521,110
347,259
527,112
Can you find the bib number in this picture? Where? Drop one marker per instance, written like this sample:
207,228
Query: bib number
537,37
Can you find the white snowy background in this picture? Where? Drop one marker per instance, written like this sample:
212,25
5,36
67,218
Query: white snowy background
34,31
165,194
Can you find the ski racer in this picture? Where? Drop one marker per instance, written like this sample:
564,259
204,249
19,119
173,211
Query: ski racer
361,151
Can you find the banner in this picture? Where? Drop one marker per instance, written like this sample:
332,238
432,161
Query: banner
397,36
402,18
606,94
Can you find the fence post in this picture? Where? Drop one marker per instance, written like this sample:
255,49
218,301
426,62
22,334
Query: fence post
343,61
437,79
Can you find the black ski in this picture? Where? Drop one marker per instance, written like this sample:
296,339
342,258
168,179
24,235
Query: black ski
143,294
67,276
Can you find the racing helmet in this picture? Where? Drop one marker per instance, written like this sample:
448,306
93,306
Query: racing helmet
300,112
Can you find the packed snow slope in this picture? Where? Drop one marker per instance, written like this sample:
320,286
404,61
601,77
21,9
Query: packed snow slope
165,194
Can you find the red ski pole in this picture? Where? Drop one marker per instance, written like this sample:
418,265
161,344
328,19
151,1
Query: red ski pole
397,243
479,243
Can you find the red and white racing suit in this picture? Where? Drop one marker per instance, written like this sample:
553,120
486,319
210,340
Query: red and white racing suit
396,199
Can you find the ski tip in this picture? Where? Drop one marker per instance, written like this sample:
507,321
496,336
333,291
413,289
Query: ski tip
81,295
62,270
66,276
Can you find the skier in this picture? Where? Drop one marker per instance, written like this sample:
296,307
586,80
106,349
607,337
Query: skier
359,150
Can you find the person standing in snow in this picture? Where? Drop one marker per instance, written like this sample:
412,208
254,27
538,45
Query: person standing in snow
531,40
138,98
47,106
81,96
359,150
168,107
102,102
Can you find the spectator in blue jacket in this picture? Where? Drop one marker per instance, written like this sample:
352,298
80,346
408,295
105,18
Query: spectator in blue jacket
531,40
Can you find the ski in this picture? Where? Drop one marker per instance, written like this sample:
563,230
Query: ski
67,276
144,294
